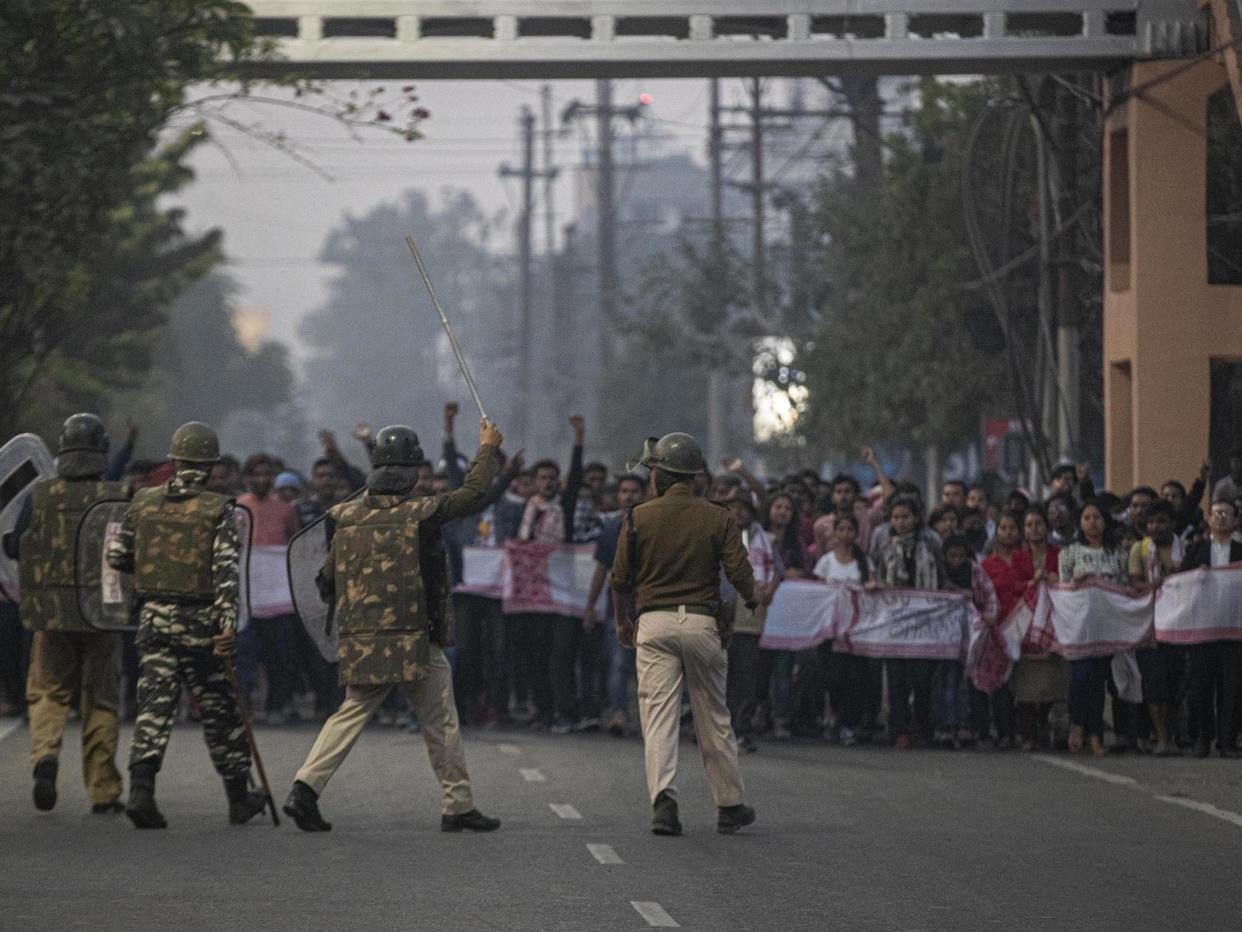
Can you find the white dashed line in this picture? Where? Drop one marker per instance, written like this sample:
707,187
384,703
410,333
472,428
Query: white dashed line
9,727
1094,772
604,854
508,749
655,915
565,811
532,775
1231,817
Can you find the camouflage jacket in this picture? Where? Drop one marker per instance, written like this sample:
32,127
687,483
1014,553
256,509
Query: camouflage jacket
49,600
387,576
188,622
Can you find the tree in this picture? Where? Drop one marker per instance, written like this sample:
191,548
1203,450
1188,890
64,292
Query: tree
378,351
891,362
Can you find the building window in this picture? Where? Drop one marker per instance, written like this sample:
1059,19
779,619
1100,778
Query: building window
1119,210
1224,190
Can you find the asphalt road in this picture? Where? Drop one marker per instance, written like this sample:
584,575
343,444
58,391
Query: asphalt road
846,839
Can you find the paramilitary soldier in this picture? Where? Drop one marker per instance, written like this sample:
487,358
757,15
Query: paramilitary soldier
386,578
180,541
66,654
666,576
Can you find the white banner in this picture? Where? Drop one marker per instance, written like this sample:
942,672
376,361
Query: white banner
1200,605
807,612
899,623
1092,618
550,579
269,582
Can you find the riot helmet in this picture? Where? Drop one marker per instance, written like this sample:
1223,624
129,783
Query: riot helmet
677,453
397,446
83,432
195,442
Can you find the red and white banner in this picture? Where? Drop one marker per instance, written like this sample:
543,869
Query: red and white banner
1200,605
898,623
529,577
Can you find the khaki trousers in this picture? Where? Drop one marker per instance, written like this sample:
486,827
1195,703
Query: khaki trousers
432,698
60,662
676,647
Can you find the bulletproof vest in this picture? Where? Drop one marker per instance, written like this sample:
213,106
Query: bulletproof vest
375,554
48,548
174,539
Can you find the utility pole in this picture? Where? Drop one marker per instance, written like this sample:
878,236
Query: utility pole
527,173
715,375
549,172
1069,310
758,267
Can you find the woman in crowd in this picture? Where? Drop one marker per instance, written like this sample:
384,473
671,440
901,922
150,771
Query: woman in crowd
908,560
845,675
963,574
1094,555
1009,569
1038,682
776,667
741,689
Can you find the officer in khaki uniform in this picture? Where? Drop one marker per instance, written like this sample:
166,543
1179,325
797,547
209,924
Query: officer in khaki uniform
386,577
667,576
180,541
66,654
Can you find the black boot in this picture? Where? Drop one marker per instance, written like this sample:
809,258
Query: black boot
244,805
664,819
45,784
141,809
109,808
473,821
730,818
302,807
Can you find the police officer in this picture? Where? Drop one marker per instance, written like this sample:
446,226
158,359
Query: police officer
386,577
66,654
180,541
667,576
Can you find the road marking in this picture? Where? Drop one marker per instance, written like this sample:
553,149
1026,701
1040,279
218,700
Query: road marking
508,749
604,854
655,915
9,727
1231,817
532,775
565,811
1086,771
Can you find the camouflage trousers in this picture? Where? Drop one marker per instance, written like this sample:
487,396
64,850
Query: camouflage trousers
166,666
65,662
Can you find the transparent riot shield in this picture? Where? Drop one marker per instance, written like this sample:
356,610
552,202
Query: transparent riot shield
105,595
307,551
23,461
245,535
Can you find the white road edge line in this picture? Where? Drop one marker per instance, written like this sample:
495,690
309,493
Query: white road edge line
1207,808
655,915
1086,771
565,810
604,854
508,749
9,727
532,775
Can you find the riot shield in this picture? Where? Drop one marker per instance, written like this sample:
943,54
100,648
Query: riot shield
105,595
307,551
23,461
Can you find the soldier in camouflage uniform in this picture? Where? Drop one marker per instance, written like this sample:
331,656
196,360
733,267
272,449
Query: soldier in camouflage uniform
66,654
180,542
386,578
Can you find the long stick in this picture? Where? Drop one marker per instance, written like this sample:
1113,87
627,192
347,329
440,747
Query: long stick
461,360
254,748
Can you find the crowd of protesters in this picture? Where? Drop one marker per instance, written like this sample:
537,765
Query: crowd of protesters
569,674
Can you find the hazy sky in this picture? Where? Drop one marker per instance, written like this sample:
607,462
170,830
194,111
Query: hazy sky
276,213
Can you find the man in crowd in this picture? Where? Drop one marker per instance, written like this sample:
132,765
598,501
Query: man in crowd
1215,667
549,519
1230,487
67,656
387,580
666,587
180,542
1136,508
620,661
953,494
322,492
1152,560
269,637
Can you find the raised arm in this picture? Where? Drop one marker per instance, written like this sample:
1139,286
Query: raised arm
467,499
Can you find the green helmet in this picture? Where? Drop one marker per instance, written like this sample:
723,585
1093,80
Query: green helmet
676,453
83,432
195,442
397,446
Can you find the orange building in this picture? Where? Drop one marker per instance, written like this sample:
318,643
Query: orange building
1172,337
